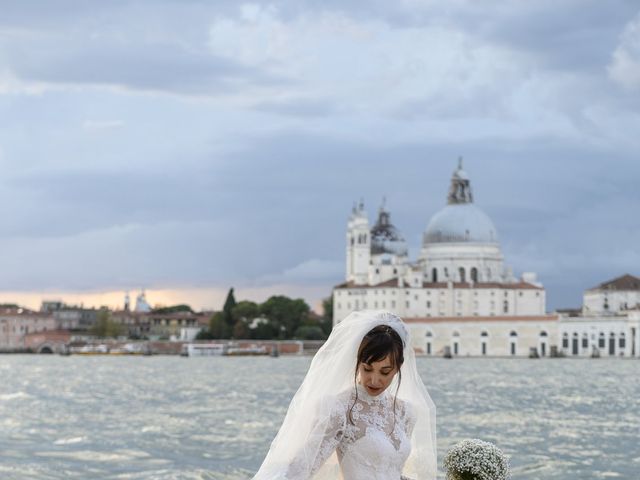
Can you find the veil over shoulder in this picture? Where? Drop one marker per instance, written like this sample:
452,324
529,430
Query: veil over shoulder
303,447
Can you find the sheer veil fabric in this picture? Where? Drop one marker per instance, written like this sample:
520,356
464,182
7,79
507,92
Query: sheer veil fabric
330,375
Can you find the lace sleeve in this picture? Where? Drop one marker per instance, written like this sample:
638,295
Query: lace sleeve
314,454
408,418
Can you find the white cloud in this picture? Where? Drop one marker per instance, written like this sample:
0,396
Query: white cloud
624,68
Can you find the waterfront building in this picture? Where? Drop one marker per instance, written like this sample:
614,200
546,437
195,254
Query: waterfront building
608,325
458,295
16,322
70,317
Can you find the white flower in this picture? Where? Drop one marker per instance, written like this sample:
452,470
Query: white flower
473,459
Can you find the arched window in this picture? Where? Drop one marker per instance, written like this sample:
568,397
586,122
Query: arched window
474,274
601,340
434,274
505,306
543,334
565,340
621,340
513,333
585,340
429,334
484,334
462,274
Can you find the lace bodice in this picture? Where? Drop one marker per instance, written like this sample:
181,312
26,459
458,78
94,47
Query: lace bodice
371,445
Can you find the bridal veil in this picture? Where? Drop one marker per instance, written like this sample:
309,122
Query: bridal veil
331,374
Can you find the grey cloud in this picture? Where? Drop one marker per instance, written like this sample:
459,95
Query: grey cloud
154,67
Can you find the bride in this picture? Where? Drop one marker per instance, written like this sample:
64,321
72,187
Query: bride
361,413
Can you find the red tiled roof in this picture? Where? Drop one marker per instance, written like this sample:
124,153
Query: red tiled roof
625,282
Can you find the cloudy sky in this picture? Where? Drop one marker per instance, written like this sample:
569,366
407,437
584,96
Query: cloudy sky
188,146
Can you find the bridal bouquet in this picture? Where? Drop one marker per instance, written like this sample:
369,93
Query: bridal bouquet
476,460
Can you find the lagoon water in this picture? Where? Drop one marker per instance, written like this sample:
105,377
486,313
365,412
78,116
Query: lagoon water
213,418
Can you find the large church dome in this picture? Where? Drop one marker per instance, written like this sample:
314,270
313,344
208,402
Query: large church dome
460,221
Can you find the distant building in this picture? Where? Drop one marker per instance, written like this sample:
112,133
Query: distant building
16,322
458,296
70,317
621,293
141,303
608,325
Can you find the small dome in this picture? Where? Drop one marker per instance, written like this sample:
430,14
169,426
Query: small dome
385,238
460,223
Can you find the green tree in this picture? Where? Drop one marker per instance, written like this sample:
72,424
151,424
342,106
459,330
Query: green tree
310,332
218,327
105,326
326,323
243,313
204,334
285,314
227,310
173,309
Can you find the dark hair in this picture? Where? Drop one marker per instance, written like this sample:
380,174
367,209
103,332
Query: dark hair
380,342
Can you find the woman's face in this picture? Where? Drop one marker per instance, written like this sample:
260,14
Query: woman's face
375,377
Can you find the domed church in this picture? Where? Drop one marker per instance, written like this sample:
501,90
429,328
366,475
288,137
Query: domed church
458,296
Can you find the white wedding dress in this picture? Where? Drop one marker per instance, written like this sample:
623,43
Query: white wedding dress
374,446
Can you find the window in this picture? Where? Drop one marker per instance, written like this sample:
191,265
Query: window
565,340
513,333
601,340
505,307
621,341
462,274
408,304
585,341
484,334
474,274
446,272
393,304
434,275
543,334
428,304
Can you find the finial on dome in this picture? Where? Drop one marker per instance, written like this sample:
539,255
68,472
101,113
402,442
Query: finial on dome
460,189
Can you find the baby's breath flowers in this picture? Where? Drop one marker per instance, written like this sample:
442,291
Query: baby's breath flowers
474,459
